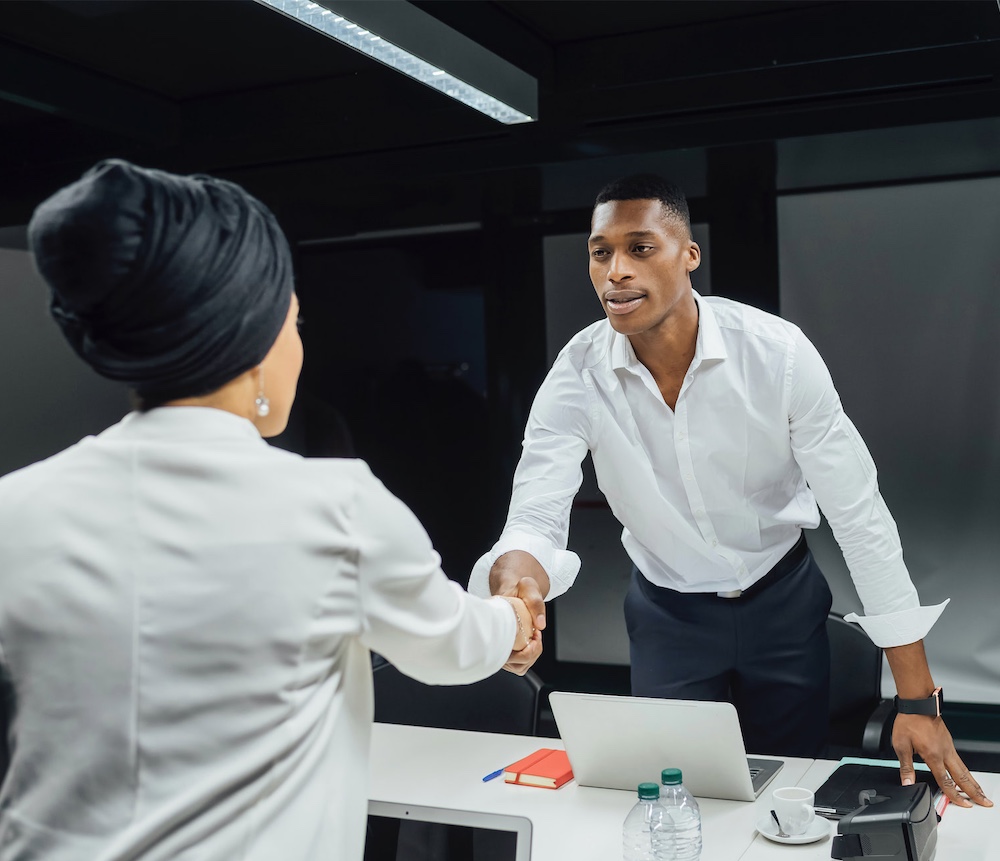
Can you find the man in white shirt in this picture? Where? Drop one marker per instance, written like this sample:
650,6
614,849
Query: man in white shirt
715,430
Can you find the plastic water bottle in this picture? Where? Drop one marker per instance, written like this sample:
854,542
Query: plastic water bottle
679,836
641,824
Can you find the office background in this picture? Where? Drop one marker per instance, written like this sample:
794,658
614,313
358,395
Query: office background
842,160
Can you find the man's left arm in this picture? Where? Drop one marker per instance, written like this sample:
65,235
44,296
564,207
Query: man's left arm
927,735
841,473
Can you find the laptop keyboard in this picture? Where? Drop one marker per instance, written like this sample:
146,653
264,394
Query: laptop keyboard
761,772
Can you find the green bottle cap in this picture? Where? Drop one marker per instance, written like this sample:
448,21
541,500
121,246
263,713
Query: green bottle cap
648,792
671,776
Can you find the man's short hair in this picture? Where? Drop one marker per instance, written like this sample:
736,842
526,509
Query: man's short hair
648,186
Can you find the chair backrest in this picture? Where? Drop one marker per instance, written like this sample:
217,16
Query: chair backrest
855,679
504,703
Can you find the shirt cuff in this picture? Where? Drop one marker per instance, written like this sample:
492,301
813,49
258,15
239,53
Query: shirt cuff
479,579
562,566
900,628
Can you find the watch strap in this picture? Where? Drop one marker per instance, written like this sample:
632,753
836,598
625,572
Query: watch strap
930,706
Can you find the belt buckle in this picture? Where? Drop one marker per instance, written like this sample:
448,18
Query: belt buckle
734,593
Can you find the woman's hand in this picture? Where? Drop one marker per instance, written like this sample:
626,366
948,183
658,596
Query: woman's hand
525,626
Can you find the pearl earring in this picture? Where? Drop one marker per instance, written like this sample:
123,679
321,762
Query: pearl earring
262,401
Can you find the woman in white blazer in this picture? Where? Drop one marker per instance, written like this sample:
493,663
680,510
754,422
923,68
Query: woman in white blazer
186,613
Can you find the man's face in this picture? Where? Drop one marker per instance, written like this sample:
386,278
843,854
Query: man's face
640,262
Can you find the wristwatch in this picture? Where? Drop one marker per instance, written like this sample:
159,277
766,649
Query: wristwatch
931,706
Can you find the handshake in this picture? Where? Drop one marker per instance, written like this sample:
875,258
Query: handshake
525,625
518,578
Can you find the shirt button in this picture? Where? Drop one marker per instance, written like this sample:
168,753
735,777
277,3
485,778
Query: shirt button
689,477
700,512
715,543
680,435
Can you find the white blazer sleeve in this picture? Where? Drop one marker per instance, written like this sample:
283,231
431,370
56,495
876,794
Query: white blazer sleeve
426,625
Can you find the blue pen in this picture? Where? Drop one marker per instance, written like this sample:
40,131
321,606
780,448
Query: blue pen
493,774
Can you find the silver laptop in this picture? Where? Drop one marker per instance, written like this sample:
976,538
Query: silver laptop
495,835
620,742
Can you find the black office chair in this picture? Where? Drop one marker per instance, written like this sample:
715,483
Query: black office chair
860,719
503,703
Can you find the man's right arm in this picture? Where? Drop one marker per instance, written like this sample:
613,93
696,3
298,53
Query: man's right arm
530,560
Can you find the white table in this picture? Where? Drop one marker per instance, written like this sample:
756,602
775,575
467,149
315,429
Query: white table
445,768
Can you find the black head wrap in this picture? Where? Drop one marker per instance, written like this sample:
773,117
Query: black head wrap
173,284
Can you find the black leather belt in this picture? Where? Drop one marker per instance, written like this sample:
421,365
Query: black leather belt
788,563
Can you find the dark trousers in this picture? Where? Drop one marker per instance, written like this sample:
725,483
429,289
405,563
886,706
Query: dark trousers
766,652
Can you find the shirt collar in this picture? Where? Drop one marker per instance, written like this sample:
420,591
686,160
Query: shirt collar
183,423
708,347
622,354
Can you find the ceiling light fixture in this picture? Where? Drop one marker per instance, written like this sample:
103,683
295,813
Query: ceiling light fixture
361,37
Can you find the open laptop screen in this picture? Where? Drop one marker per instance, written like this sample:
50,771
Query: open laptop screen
618,742
411,832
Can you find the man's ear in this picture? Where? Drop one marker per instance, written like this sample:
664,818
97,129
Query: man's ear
693,256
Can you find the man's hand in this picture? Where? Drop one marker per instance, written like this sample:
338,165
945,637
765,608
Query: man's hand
519,574
929,737
925,735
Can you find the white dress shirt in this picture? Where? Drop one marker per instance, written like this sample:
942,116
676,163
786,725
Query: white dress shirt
714,492
186,615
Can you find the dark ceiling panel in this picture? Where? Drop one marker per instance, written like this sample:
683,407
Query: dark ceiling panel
55,87
66,147
255,95
563,21
182,49
879,78
13,115
92,8
798,37
327,118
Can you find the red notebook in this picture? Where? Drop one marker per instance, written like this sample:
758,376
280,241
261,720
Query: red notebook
546,767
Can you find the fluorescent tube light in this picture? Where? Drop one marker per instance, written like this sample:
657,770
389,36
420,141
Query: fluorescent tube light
349,33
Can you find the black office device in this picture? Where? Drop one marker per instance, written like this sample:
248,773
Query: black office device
841,793
900,825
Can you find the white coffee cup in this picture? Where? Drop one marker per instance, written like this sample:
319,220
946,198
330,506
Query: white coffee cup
794,806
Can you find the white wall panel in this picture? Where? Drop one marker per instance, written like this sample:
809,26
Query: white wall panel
50,397
899,288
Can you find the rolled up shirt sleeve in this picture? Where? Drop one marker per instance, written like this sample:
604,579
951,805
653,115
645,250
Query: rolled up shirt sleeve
425,624
899,629
547,478
840,471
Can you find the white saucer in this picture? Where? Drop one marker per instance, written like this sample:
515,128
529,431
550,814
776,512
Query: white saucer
817,830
